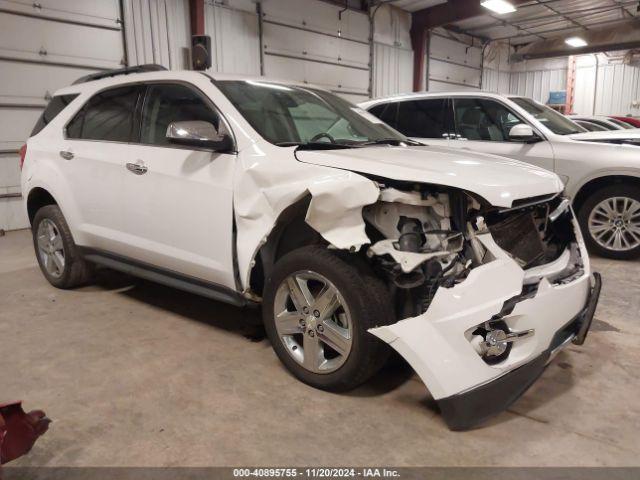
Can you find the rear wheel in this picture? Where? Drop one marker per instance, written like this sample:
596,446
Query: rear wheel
58,256
317,310
610,222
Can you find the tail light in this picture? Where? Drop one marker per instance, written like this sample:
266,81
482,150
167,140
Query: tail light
23,153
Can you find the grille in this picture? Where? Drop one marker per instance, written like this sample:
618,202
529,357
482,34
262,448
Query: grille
519,235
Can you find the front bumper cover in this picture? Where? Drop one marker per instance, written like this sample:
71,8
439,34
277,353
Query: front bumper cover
468,409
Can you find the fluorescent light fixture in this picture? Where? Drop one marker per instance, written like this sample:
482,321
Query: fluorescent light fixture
576,42
498,6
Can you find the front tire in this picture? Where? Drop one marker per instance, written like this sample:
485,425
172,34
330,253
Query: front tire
57,254
317,309
610,222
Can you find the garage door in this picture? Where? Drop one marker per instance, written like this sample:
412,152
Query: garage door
453,64
311,41
45,45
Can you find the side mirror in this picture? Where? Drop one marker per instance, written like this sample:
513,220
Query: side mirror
523,133
197,133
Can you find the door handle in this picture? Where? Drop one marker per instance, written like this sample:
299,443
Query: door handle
66,154
139,168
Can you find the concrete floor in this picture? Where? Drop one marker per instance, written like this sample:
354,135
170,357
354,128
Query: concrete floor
133,373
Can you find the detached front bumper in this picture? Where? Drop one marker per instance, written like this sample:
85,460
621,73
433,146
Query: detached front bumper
437,343
466,410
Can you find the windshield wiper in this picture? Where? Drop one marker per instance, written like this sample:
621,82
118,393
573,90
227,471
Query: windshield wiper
315,145
392,141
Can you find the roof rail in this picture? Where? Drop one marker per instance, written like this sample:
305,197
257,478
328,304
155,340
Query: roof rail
149,67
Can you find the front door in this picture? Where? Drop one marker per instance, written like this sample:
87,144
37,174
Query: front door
179,199
483,125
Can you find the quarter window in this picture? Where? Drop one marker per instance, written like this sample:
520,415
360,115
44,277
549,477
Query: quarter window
108,116
423,118
55,106
167,103
482,119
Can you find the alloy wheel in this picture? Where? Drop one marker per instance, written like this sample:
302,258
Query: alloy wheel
313,322
50,248
614,223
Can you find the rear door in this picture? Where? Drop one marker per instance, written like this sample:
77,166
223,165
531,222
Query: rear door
483,125
95,151
179,214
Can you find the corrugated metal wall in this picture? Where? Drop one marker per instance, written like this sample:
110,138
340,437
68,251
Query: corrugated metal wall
454,62
615,88
45,45
533,78
235,36
536,78
496,71
392,53
317,42
157,31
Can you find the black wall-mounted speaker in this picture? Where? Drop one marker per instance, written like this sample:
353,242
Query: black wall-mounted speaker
200,52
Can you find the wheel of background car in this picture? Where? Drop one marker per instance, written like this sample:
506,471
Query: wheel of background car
317,137
57,254
610,221
317,309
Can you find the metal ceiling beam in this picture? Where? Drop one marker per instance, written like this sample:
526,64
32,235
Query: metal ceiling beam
579,14
621,35
450,12
569,19
437,16
563,29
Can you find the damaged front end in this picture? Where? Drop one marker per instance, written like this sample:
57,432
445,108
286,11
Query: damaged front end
485,296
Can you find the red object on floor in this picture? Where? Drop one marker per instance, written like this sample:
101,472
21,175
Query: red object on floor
19,430
633,121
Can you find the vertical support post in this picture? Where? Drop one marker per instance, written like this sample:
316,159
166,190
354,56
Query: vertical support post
419,37
571,85
196,16
260,35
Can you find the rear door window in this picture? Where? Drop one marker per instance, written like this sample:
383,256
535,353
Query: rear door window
428,118
55,106
108,115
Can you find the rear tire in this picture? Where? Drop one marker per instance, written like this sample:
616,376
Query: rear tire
304,338
610,222
57,254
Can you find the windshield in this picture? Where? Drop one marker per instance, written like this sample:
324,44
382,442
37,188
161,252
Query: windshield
554,121
291,115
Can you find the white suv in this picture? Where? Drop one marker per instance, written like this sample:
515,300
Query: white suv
601,170
351,236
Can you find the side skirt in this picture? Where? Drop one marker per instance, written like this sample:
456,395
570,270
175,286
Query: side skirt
165,277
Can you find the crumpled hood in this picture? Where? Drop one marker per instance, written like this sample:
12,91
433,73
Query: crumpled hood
498,180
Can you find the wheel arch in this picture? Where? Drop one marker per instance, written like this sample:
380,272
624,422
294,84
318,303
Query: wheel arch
595,184
38,197
290,231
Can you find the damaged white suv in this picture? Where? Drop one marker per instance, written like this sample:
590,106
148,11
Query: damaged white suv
351,236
